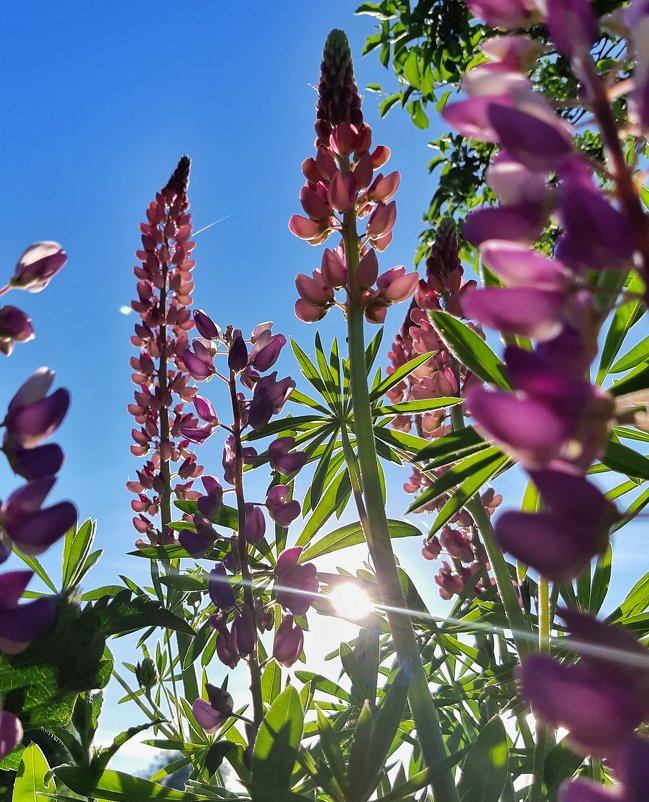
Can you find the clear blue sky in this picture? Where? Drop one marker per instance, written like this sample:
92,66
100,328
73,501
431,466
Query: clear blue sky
99,101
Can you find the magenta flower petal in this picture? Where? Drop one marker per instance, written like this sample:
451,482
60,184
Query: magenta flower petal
573,26
470,117
289,557
206,716
206,326
517,310
38,265
12,586
598,713
11,732
36,421
36,463
520,266
220,589
537,144
508,14
238,354
587,791
265,352
25,622
35,388
36,532
255,524
297,588
520,223
200,367
288,643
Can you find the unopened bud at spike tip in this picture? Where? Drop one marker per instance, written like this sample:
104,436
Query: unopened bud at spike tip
179,180
339,101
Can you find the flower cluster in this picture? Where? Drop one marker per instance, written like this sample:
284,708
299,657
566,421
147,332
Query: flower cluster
553,420
32,416
255,399
163,384
439,377
341,185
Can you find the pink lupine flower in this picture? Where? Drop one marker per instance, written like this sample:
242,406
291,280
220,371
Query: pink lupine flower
381,221
514,183
396,285
431,548
508,14
20,624
309,313
450,584
342,191
367,270
15,327
312,231
528,311
334,268
515,52
288,643
11,732
456,544
631,769
314,290
38,265
281,511
522,222
383,189
471,119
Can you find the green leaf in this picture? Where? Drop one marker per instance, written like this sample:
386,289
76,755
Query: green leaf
330,503
455,475
399,374
467,490
76,549
601,580
30,784
277,743
123,613
485,769
625,460
626,316
331,748
470,349
101,758
352,535
271,682
638,354
637,379
416,406
118,787
452,444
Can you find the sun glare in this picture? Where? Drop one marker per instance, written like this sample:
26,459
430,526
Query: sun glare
350,601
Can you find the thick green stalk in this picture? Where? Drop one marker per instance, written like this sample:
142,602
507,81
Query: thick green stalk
481,519
380,546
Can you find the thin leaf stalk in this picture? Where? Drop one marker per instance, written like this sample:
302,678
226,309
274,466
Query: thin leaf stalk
378,536
544,617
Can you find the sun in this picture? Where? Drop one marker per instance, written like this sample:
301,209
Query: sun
350,601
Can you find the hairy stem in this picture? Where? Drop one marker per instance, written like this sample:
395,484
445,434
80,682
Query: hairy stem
377,534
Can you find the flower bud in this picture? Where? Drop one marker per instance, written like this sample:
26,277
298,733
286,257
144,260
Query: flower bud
38,265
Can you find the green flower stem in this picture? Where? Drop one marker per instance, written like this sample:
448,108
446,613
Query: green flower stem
544,615
248,595
150,714
377,534
481,519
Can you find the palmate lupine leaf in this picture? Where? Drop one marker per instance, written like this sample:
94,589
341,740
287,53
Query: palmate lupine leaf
636,356
352,535
334,498
622,459
399,374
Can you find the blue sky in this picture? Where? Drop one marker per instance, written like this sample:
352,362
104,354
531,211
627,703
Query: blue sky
99,101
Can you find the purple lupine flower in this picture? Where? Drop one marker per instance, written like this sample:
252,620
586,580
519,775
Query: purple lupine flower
508,14
199,363
573,26
220,589
198,543
214,713
288,643
226,649
631,767
35,463
296,584
281,460
15,327
266,349
268,399
210,504
11,732
560,540
206,326
38,265
20,624
32,415
281,511
255,527
238,353
243,632
31,528
601,699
